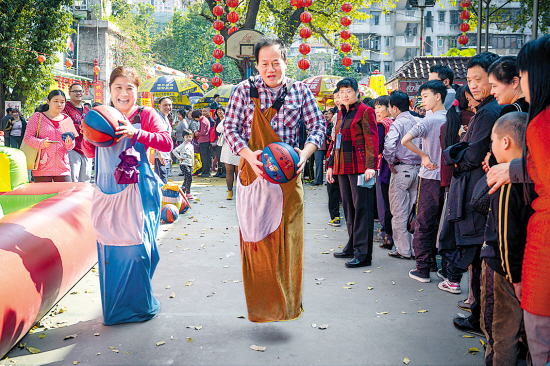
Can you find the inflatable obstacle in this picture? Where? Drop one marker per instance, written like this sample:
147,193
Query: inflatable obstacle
13,169
47,244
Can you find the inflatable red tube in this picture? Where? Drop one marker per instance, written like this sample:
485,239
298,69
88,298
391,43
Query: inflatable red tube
44,251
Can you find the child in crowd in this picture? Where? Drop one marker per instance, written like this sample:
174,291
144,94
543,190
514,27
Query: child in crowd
502,253
430,193
185,154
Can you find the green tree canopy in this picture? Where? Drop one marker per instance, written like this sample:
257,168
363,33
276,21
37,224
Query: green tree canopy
27,28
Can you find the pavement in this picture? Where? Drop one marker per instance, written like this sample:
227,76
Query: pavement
373,315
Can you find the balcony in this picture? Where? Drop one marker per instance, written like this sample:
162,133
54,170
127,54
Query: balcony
407,41
407,16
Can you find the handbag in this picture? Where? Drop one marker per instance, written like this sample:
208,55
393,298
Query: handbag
127,171
481,199
31,154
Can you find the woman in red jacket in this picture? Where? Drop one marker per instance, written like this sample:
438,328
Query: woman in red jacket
533,63
355,156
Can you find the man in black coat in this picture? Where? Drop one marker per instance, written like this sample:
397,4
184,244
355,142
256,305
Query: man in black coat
463,229
3,123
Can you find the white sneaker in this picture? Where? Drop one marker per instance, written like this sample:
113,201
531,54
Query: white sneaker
452,287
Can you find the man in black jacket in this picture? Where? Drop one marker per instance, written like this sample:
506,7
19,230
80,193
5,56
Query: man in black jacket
3,123
462,233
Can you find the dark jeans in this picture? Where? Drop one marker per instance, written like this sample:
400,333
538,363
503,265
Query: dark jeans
319,155
217,153
334,197
15,141
187,178
206,157
358,204
385,188
56,178
162,170
428,211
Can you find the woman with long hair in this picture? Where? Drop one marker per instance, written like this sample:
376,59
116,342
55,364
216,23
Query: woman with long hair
219,115
533,64
505,85
17,127
54,151
227,157
126,216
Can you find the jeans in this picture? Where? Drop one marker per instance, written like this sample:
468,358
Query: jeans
319,156
162,170
206,157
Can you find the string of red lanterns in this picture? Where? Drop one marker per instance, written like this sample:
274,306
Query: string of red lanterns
345,35
233,16
305,31
217,67
464,27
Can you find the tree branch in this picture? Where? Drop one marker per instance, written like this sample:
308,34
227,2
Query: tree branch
322,34
252,14
500,7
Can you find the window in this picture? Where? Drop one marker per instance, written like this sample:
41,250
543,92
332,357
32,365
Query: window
454,17
387,66
375,18
453,42
374,66
388,41
441,16
429,20
375,43
440,42
388,18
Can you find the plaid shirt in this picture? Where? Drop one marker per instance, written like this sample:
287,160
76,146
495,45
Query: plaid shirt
299,104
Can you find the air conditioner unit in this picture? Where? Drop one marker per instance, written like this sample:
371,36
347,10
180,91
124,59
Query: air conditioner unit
80,5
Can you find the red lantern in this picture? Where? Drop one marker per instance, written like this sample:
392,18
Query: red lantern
69,64
233,17
174,73
304,49
149,76
346,7
305,17
307,3
465,15
463,39
41,59
232,3
345,34
305,33
204,80
218,39
346,47
465,3
345,21
217,11
190,76
217,68
303,64
204,86
97,69
218,25
231,30
464,27
216,81
218,53
346,61
297,3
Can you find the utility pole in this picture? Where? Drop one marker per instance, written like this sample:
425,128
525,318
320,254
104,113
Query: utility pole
421,29
487,16
535,30
479,22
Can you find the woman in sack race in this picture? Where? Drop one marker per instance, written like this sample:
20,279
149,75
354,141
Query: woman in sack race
126,216
355,154
44,133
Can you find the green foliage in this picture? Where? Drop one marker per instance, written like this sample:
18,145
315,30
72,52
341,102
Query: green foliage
133,44
34,25
338,69
186,44
467,52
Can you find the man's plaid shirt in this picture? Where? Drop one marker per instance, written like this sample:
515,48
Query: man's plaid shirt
299,104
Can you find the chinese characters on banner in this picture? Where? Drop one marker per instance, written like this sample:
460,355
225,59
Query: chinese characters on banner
98,92
147,99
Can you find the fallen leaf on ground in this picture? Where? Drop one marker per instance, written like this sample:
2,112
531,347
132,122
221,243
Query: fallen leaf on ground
33,350
482,342
323,327
393,282
75,292
258,348
97,354
347,287
96,334
172,295
473,350
161,343
87,291
189,339
320,279
421,290
382,313
111,347
240,317
188,283
350,283
406,361
236,281
42,335
467,336
325,252
370,288
167,287
70,336
422,311
313,325
403,312
369,271
75,362
115,350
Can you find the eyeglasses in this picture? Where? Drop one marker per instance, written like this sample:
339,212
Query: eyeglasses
77,91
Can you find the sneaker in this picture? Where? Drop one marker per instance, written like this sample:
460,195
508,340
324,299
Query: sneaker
441,275
189,196
335,221
464,305
415,275
452,287
229,195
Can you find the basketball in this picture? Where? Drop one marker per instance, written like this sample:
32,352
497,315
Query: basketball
169,213
99,125
280,162
184,206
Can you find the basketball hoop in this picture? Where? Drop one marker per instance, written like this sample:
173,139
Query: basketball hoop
245,57
240,44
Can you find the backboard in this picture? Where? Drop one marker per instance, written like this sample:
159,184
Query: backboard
241,43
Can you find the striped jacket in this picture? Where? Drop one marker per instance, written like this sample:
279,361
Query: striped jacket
359,146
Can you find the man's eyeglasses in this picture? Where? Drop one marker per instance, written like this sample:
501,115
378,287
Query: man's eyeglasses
77,91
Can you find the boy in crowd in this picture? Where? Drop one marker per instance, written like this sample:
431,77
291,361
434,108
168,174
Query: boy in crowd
404,166
185,154
502,253
446,76
430,192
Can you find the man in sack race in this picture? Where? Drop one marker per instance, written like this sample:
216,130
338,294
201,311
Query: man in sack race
264,109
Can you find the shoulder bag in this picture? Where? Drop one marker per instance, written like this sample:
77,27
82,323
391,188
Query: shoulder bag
31,154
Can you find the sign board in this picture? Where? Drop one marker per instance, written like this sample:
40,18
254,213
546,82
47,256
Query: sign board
98,92
411,87
242,42
13,104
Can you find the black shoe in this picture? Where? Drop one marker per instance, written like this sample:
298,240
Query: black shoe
180,174
465,325
388,242
222,175
342,255
396,254
354,263
204,175
464,305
